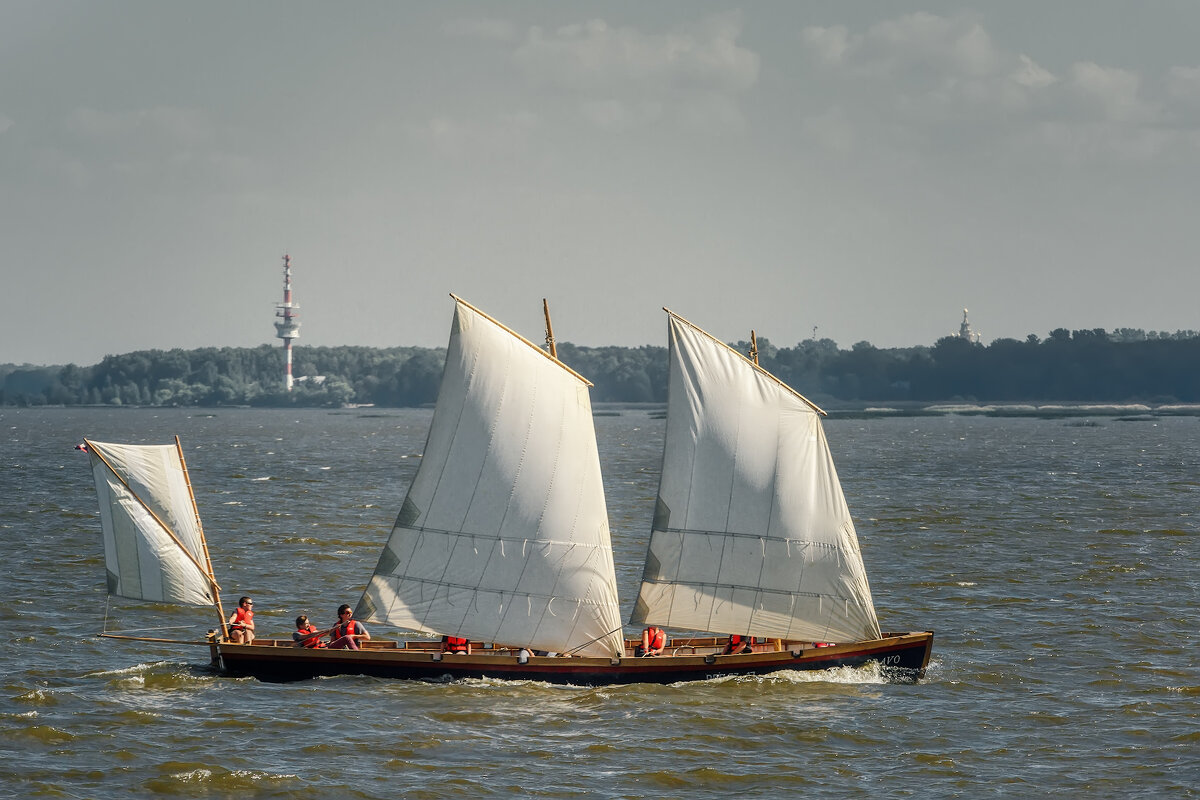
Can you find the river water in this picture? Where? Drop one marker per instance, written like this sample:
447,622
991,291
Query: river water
1056,559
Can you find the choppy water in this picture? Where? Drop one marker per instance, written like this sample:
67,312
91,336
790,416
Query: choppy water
1057,562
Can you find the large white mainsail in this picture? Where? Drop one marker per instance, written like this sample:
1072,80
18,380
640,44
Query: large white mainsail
153,543
503,536
751,530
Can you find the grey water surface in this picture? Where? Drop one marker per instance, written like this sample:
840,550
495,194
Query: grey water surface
1056,559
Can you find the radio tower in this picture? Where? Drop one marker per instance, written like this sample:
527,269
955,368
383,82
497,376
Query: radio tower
288,327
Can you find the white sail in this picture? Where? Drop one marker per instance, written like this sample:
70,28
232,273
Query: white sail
751,530
503,536
153,544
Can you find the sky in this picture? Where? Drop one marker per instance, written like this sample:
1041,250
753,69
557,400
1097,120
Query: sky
859,171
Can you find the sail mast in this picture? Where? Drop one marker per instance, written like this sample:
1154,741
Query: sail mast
764,372
753,348
203,542
550,344
504,327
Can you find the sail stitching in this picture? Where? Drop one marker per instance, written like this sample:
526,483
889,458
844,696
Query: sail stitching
764,537
742,586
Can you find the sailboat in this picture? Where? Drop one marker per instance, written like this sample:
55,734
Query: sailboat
503,537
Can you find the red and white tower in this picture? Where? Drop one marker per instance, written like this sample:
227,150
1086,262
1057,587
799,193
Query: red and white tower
287,327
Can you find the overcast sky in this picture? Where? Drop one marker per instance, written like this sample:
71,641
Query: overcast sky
865,168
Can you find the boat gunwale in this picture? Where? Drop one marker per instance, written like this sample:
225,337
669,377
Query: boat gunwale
280,659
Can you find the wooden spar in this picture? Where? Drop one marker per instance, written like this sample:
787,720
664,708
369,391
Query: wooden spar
696,327
504,327
92,448
212,579
754,348
151,639
550,345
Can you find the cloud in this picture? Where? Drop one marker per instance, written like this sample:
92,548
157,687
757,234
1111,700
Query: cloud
166,146
921,74
830,45
927,42
615,115
493,30
622,76
1110,91
163,126
500,136
1183,85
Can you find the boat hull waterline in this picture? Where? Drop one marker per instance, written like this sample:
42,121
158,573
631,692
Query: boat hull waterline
904,656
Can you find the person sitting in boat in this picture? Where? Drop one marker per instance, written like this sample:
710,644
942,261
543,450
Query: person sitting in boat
348,631
306,634
241,622
739,644
457,645
654,639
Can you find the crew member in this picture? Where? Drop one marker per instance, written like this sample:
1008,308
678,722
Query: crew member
348,631
306,634
654,639
738,644
241,622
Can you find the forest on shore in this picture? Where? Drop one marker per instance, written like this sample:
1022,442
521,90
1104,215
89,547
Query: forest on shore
1067,366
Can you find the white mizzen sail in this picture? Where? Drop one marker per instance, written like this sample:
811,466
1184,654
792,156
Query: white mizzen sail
503,536
153,543
751,530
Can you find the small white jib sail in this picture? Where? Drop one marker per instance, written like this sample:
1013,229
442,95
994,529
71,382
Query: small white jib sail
154,547
751,532
504,536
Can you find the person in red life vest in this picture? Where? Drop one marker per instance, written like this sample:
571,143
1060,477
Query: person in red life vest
457,645
653,641
306,634
348,631
241,622
738,644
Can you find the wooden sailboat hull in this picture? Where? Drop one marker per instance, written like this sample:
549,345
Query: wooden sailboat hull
904,656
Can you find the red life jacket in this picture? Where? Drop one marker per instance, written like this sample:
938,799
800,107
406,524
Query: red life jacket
736,642
454,644
347,629
242,616
312,641
658,639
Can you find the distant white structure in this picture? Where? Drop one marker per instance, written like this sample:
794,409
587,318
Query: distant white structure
287,327
965,332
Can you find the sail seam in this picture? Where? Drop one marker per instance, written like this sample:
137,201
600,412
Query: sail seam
764,537
747,587
477,589
500,538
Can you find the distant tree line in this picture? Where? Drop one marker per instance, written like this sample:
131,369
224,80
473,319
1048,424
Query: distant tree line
1084,365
